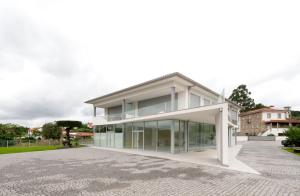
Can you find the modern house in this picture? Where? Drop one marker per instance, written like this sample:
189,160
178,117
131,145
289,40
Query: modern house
172,114
265,121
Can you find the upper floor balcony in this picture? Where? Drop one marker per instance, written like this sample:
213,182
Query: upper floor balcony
148,111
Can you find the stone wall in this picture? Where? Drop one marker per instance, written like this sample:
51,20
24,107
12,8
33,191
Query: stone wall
252,124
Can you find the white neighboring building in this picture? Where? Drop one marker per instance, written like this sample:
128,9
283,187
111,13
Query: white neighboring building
172,113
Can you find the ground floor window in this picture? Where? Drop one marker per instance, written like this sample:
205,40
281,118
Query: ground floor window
201,136
156,136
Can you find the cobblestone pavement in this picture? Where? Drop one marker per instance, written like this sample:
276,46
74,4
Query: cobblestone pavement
88,171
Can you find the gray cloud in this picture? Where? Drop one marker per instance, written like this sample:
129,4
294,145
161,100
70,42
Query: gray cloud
60,85
21,41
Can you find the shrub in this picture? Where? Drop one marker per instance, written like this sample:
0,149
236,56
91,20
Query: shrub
293,135
270,134
51,131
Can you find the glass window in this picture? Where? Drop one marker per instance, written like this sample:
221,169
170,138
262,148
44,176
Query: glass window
179,136
103,129
138,126
206,101
128,135
114,113
279,115
119,136
130,110
150,135
164,136
268,115
194,135
154,106
201,135
195,100
97,135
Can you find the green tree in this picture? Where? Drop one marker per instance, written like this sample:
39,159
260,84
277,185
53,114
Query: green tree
12,131
84,128
293,135
68,125
51,131
241,95
259,106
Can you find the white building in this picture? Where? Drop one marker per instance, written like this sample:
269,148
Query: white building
171,114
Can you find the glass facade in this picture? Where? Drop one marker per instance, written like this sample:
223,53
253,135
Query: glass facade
156,136
195,101
164,136
150,134
201,136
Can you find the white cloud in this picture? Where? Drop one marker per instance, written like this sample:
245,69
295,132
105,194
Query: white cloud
54,55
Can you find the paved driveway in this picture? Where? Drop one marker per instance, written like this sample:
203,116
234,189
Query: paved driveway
87,171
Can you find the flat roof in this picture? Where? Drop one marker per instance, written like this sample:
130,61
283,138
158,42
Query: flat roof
152,81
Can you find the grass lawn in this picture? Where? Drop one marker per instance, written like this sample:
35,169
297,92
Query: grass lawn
18,149
291,150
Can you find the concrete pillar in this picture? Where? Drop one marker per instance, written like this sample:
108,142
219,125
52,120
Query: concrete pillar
95,111
123,108
222,134
187,97
186,139
173,98
218,126
136,109
235,136
173,137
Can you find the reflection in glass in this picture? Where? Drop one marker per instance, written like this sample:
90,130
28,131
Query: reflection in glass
164,136
128,135
150,133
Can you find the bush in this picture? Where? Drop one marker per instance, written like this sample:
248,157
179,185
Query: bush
51,131
293,136
270,134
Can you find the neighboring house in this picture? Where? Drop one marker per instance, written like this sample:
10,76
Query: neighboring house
171,114
266,121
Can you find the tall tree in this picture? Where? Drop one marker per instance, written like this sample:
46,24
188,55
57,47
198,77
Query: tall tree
68,125
51,131
241,95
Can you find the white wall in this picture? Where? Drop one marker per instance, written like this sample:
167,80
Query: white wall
181,100
274,131
274,116
242,138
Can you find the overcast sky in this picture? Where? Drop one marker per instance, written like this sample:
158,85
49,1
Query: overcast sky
54,55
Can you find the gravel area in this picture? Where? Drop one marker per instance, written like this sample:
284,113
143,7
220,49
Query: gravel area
88,171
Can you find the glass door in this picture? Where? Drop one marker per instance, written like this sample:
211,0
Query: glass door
138,140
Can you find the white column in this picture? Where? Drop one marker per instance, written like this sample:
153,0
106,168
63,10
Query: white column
187,97
222,134
123,108
218,125
136,109
172,136
186,136
173,98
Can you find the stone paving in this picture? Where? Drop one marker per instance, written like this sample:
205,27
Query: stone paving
88,171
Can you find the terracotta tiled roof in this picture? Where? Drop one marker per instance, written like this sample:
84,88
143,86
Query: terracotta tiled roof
267,109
